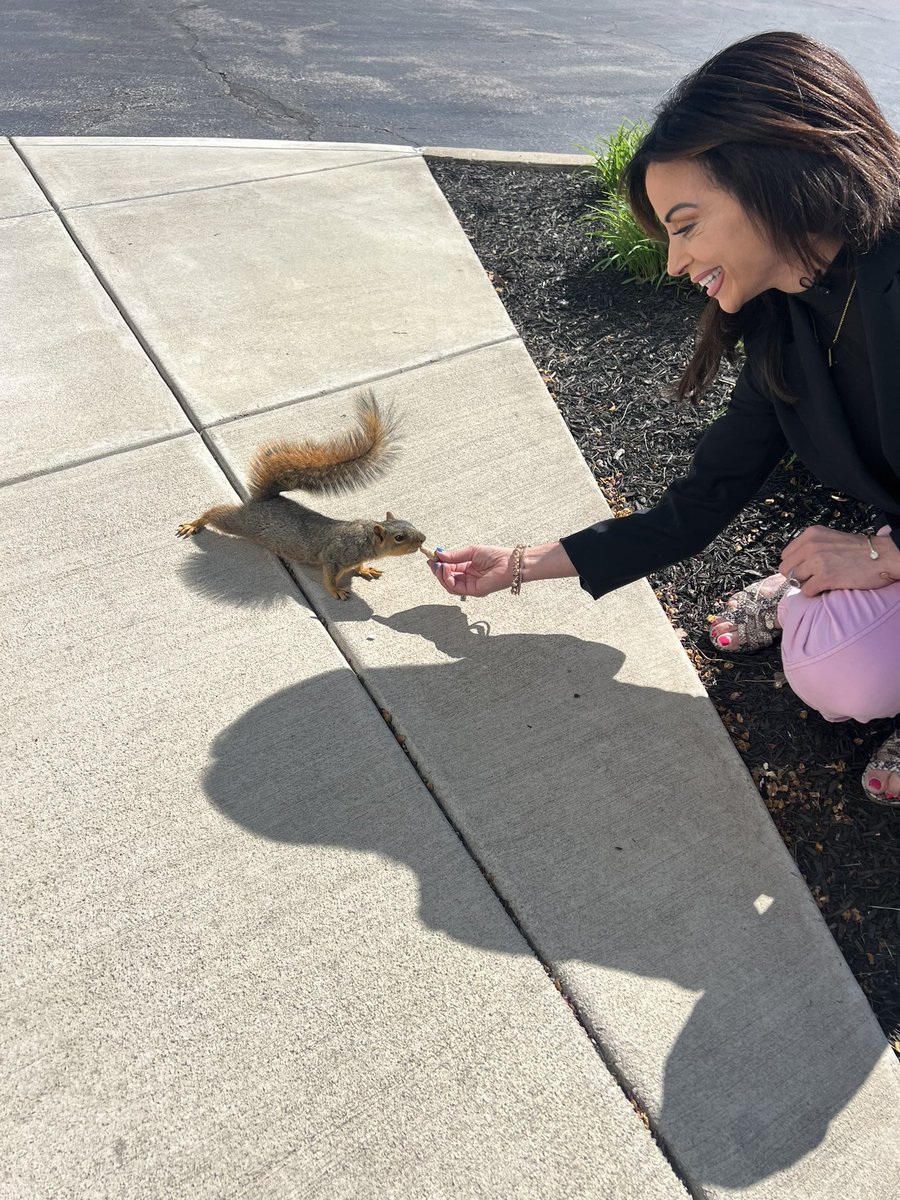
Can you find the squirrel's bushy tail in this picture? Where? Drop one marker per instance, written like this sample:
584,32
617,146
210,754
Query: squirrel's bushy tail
339,464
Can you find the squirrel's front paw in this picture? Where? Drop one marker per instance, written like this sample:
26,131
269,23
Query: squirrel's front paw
370,572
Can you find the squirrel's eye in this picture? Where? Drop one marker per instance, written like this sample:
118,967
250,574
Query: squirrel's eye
399,537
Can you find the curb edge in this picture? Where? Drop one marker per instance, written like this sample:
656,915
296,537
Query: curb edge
505,158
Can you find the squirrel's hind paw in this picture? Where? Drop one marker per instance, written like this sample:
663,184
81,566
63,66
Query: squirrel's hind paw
187,529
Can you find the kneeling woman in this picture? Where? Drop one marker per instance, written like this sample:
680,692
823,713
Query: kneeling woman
776,180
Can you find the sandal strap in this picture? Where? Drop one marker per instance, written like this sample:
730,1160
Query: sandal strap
887,756
755,614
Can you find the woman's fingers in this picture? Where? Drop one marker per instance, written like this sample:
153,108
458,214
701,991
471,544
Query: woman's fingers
472,570
457,555
451,576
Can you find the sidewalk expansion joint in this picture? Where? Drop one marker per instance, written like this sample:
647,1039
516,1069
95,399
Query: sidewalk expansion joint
571,1003
71,465
32,212
114,299
631,1095
216,187
364,381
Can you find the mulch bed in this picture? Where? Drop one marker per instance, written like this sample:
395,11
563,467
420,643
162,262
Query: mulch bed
608,351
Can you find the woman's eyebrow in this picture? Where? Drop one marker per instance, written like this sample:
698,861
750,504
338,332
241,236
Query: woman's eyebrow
674,209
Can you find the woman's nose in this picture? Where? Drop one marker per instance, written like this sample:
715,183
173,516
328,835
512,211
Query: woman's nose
676,259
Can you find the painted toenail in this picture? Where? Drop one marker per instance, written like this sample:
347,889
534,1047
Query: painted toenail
889,796
876,784
724,640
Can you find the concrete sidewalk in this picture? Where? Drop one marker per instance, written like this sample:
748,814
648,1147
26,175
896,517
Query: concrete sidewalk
288,878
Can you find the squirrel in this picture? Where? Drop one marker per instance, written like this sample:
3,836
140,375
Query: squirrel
295,532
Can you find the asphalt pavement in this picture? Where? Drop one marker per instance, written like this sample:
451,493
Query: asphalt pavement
548,75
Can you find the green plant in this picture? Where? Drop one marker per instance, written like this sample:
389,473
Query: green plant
629,249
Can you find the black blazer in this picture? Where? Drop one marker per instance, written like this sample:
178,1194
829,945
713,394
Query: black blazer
740,450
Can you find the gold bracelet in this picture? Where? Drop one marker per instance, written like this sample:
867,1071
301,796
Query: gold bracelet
517,553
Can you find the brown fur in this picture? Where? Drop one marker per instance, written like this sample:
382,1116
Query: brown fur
341,463
300,534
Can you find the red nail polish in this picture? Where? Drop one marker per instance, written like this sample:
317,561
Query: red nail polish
725,640
876,784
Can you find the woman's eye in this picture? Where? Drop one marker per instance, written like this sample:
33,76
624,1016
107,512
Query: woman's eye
681,232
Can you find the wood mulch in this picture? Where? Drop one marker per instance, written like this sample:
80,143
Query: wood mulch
608,351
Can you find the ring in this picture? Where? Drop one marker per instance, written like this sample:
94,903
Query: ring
792,578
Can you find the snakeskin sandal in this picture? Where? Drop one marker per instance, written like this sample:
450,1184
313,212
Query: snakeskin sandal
754,615
885,758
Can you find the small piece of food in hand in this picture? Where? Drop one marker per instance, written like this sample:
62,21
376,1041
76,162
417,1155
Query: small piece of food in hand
427,551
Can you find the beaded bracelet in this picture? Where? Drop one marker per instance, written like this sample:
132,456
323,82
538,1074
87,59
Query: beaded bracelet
517,553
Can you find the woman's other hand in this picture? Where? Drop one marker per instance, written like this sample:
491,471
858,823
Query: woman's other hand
824,560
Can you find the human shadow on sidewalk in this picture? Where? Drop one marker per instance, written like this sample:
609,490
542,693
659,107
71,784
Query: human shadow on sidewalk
595,806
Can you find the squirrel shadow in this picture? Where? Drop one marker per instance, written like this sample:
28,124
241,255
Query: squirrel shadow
594,881
218,567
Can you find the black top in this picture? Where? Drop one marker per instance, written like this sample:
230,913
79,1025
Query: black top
844,425
850,371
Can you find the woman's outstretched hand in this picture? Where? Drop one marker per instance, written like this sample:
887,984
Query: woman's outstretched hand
473,570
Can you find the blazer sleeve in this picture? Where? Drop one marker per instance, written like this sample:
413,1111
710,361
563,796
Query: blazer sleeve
731,462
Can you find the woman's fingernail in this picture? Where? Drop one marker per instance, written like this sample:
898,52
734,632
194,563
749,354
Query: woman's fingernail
439,549
876,784
725,640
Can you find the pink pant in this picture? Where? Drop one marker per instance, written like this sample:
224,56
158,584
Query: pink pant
841,651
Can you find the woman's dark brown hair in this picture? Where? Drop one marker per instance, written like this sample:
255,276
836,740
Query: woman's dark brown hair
787,127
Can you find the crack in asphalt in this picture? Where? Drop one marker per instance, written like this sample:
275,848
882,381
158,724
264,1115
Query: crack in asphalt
265,105
259,103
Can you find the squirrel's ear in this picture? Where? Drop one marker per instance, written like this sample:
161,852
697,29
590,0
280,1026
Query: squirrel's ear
380,532
390,516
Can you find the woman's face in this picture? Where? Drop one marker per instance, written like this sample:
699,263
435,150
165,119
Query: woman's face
712,239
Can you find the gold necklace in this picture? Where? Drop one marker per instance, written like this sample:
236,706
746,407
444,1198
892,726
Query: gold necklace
840,324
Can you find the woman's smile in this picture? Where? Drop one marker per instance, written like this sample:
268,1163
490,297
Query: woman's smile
713,238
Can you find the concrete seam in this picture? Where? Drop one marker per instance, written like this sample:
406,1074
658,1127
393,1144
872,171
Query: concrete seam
99,457
114,299
34,212
212,187
364,381
631,1095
